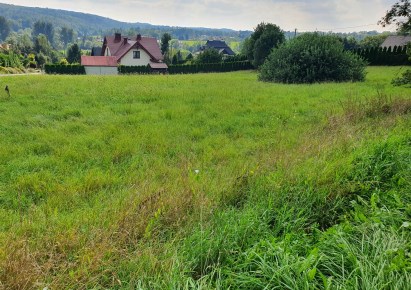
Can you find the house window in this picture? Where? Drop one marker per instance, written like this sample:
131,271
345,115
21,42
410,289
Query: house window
136,54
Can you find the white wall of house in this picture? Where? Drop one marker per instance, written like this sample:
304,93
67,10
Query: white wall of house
107,52
101,70
128,59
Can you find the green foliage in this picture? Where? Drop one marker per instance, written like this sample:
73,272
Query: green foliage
74,54
72,69
165,39
44,28
380,56
265,37
21,42
10,60
372,41
210,67
66,35
42,45
400,13
404,79
312,58
4,28
209,55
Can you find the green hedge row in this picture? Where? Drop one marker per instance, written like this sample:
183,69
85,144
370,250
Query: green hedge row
143,69
190,68
172,69
210,67
385,56
71,69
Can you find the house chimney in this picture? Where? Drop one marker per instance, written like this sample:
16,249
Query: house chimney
125,40
117,37
139,36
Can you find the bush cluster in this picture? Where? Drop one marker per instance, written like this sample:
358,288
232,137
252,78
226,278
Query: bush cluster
384,56
73,69
312,58
10,59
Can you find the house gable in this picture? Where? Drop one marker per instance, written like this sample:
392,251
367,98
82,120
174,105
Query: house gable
129,60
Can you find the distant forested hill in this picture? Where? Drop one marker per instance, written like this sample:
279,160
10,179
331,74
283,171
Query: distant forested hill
21,17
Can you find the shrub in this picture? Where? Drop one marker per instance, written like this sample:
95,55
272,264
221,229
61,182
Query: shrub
209,55
311,58
405,79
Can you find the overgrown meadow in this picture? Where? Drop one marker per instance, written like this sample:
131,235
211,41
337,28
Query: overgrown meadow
207,181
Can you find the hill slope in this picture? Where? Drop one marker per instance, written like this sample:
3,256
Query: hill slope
89,24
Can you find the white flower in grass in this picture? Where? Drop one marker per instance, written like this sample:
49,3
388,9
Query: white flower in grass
197,171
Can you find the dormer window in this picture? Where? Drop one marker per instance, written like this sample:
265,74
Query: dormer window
136,54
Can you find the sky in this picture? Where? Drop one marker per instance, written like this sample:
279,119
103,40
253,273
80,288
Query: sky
303,15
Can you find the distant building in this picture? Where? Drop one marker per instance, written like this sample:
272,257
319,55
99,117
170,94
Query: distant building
396,40
136,51
220,46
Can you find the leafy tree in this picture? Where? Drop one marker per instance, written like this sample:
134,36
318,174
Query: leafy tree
42,45
74,54
209,55
4,28
265,37
400,14
189,57
21,42
41,59
165,39
350,43
311,58
372,41
46,28
66,35
174,60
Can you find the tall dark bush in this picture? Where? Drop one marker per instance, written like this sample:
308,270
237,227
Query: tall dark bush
312,58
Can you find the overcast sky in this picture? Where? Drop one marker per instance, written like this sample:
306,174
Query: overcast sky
305,15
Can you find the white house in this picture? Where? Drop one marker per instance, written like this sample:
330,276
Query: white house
129,51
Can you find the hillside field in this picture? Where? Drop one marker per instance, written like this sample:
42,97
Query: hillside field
206,181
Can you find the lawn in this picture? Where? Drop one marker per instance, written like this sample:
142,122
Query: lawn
204,181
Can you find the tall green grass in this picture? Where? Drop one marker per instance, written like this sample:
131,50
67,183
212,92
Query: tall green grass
204,181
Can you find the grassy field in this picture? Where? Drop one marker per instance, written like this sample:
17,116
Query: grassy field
205,181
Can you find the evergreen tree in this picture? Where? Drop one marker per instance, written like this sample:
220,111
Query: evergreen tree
66,35
165,39
74,54
265,37
42,27
4,28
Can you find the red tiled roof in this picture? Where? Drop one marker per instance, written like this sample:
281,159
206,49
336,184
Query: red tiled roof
98,60
120,47
158,65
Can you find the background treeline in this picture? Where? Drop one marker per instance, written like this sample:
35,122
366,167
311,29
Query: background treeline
85,25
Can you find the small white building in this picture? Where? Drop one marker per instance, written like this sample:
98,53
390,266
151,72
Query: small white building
99,65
